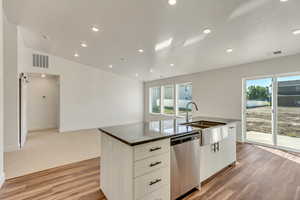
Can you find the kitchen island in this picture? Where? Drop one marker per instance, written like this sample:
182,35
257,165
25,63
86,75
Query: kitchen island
136,158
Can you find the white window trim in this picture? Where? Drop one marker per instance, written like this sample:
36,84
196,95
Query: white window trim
150,100
176,109
163,97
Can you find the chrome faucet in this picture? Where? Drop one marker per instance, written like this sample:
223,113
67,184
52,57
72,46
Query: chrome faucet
187,109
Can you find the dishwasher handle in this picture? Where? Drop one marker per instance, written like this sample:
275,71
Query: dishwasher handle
183,139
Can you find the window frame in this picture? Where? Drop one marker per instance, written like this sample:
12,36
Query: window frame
162,95
163,99
177,96
150,100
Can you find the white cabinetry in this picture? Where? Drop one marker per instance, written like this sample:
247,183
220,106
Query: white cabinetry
139,172
215,157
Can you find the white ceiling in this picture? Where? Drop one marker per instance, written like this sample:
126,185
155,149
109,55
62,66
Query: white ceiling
252,28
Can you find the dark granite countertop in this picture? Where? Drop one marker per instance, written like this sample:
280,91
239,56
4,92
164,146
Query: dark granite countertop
144,132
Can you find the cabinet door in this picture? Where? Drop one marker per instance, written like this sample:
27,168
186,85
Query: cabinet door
208,162
227,147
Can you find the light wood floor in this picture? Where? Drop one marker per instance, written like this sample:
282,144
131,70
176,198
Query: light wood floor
260,174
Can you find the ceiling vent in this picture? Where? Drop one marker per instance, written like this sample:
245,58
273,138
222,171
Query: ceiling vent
277,52
40,61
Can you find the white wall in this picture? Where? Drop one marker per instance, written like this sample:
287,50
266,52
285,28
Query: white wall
89,97
1,95
218,93
43,103
11,133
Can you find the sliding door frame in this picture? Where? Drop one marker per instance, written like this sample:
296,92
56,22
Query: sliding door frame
274,111
244,110
279,76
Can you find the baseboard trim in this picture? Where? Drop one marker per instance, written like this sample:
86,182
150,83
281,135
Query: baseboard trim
10,148
42,129
2,179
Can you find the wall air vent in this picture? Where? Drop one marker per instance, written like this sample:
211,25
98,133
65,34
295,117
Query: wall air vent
277,52
40,61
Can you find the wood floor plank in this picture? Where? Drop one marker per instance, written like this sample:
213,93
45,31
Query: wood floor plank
260,174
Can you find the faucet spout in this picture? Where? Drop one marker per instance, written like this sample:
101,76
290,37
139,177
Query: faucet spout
187,109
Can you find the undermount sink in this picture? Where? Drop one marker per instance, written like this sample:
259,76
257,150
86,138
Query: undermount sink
204,124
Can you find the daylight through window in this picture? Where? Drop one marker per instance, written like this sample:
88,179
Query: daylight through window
170,99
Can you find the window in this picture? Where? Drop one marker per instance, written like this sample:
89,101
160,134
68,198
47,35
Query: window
155,100
170,101
184,92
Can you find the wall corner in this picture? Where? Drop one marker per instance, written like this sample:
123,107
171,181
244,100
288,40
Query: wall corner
2,179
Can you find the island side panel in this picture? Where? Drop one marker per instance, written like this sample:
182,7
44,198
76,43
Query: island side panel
116,169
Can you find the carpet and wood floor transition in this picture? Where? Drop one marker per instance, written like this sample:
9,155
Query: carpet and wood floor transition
260,174
47,149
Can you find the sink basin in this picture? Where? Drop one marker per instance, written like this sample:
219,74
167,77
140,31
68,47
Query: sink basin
212,135
204,124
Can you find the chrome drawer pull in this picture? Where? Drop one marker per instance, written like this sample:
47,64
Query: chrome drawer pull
155,149
154,164
154,182
232,127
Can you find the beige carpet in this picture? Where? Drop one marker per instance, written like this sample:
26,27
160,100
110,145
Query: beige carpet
48,149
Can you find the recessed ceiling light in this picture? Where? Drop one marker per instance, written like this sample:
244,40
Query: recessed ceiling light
141,50
296,32
43,75
283,0
95,28
229,50
76,55
110,66
172,65
151,70
83,44
172,2
136,74
207,31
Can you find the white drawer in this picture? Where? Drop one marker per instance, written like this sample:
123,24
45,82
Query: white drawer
151,149
161,194
151,164
149,183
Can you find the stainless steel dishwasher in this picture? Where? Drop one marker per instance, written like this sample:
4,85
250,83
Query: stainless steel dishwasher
185,164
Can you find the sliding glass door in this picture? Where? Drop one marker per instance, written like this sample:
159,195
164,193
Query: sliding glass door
288,112
272,111
259,111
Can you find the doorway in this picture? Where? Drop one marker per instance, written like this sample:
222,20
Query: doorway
39,104
40,148
271,111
